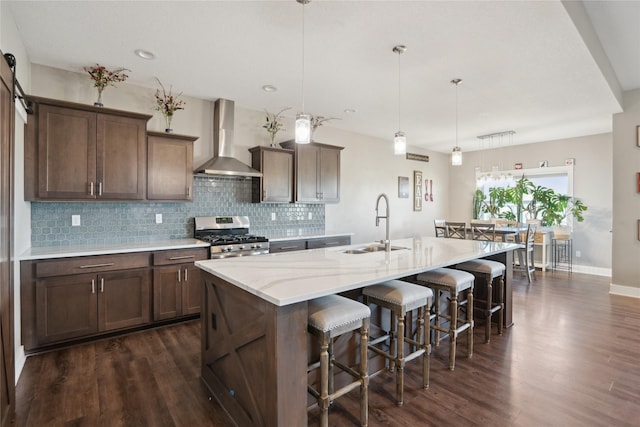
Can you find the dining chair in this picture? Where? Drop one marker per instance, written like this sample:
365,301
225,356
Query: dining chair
525,254
483,231
440,227
455,230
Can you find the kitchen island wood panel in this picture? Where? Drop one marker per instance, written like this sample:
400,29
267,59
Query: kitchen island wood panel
280,285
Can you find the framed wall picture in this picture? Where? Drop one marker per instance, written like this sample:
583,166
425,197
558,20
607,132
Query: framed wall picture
403,187
417,191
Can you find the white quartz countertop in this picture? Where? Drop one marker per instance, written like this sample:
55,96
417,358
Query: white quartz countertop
318,236
106,249
291,277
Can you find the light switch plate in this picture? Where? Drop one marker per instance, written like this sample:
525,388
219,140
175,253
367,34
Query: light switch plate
158,218
75,220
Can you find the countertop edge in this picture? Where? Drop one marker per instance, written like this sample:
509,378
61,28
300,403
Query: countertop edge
310,237
40,253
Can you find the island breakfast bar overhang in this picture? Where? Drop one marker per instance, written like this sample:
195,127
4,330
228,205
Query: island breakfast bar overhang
254,315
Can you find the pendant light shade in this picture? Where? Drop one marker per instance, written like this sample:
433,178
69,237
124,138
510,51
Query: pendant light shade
303,120
456,154
399,140
303,128
399,143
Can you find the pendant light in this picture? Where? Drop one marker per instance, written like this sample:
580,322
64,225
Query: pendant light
399,140
303,120
456,154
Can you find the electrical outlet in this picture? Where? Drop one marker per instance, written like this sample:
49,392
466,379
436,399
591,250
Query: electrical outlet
158,218
273,216
310,215
75,220
577,254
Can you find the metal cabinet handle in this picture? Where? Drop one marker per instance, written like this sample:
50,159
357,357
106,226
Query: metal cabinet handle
173,258
93,286
331,243
179,272
108,264
188,191
186,278
91,188
100,189
102,285
288,247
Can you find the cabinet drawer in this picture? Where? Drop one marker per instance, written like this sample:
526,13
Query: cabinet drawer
287,246
180,256
91,264
327,242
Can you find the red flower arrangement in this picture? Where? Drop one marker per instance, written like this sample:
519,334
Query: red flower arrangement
102,78
168,104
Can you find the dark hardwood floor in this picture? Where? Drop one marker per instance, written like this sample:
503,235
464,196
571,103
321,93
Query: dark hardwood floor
572,358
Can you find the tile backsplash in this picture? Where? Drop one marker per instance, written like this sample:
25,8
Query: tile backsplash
114,222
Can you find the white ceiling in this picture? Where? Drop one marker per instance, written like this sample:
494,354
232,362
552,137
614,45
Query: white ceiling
525,65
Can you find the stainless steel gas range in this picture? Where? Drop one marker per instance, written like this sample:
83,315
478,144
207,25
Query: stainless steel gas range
229,236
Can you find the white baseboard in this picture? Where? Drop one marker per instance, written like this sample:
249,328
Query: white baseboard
19,359
626,291
596,271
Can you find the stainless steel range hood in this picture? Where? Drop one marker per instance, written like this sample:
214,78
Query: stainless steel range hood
223,163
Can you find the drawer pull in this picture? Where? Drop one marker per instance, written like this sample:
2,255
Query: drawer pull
173,258
331,243
108,264
283,248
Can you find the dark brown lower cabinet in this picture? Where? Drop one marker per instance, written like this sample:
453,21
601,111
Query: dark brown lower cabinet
80,305
176,291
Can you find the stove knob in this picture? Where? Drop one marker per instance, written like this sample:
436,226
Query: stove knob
241,248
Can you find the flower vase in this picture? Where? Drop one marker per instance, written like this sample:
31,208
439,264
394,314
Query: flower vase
168,119
273,142
99,103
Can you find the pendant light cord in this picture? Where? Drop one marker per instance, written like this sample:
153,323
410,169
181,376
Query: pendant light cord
399,100
303,43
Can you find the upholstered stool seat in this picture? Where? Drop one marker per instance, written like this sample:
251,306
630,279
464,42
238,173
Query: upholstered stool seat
490,271
455,283
329,317
402,298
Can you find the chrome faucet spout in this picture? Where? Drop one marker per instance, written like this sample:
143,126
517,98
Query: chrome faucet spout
387,241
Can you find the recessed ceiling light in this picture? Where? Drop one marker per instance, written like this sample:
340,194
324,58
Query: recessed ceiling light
144,54
269,88
349,110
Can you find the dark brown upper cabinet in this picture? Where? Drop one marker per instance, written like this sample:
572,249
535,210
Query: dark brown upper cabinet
80,152
276,183
317,172
170,162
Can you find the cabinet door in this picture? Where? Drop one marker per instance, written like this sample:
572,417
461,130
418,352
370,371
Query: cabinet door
121,157
170,175
66,307
167,294
307,174
124,299
66,153
191,290
329,174
277,170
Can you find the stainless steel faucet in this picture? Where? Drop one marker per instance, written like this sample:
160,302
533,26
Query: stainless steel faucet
387,242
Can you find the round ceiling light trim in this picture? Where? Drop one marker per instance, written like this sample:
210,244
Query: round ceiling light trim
144,54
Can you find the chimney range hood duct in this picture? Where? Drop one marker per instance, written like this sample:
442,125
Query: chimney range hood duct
223,163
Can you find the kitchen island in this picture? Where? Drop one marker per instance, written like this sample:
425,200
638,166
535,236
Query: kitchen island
254,315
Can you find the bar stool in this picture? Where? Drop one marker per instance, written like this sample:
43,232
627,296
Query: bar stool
330,317
402,298
489,271
454,282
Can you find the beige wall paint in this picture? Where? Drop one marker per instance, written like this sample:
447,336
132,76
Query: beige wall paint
626,156
592,184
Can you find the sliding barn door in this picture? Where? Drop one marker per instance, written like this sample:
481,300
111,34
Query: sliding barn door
7,118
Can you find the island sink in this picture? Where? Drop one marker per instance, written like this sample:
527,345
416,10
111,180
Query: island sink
372,248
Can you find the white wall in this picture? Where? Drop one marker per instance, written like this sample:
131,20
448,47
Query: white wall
592,183
626,199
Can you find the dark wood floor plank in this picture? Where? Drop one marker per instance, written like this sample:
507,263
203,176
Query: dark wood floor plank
571,359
